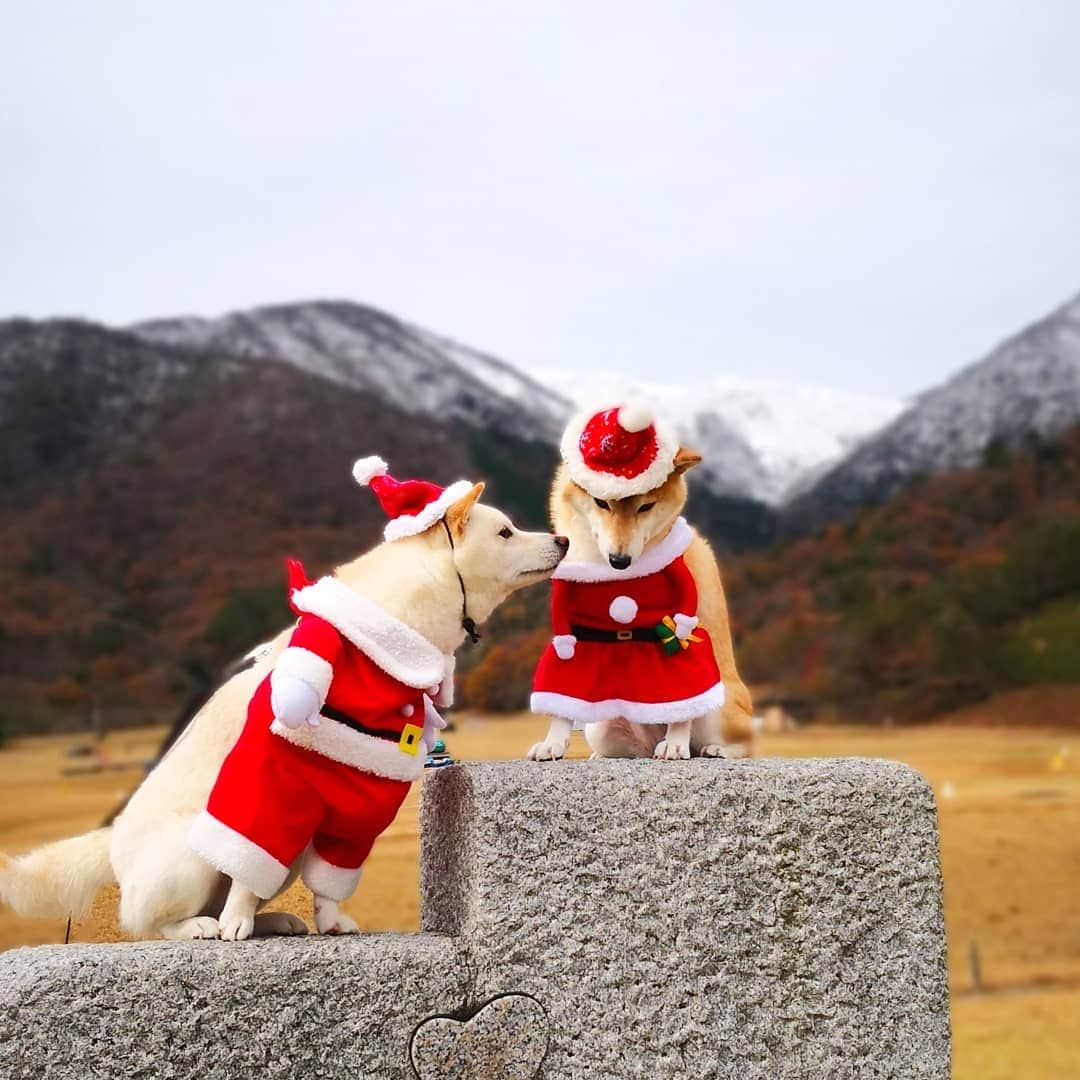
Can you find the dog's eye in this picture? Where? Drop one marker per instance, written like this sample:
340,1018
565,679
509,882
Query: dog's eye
602,503
644,508
506,532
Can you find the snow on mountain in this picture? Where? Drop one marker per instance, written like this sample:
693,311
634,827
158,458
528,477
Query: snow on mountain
372,351
1029,383
760,438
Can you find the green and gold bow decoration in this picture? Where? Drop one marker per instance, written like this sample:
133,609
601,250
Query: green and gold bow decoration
665,631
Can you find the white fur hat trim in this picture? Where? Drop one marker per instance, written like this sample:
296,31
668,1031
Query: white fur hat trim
605,485
414,524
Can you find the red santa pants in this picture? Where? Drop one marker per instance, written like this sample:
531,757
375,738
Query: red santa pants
273,799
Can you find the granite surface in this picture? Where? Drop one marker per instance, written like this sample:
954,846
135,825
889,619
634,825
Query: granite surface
616,919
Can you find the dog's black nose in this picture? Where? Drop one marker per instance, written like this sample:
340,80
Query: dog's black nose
620,562
562,543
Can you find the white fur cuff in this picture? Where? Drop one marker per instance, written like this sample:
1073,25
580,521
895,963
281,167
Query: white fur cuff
234,854
304,664
565,644
326,879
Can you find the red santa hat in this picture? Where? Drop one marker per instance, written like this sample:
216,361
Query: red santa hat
412,506
618,451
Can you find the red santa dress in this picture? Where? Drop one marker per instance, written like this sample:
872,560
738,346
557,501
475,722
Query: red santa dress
325,792
604,623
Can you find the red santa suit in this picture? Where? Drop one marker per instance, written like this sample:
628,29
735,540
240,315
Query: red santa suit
606,659
327,786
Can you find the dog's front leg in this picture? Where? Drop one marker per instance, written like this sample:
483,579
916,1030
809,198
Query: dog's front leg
238,915
675,746
329,918
555,742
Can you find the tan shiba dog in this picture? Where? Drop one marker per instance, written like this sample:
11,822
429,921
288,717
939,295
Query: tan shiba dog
169,891
619,531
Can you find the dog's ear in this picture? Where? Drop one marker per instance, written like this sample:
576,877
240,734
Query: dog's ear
457,516
685,459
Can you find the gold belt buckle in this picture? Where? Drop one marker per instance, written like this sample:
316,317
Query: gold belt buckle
410,742
624,635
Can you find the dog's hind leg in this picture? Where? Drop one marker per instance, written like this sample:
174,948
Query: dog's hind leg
268,923
621,739
707,739
166,890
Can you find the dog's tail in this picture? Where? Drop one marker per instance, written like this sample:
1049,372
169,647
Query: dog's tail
59,879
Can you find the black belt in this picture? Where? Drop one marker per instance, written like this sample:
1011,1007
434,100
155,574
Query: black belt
638,633
344,718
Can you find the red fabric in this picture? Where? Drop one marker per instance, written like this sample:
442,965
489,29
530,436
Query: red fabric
627,670
403,497
360,688
283,797
606,446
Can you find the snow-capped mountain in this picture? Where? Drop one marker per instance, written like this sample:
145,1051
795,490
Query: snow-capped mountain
369,350
1029,383
760,438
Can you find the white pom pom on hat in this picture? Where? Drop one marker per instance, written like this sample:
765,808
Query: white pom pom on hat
365,469
635,417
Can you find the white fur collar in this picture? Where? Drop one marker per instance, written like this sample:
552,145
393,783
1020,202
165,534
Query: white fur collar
398,649
656,558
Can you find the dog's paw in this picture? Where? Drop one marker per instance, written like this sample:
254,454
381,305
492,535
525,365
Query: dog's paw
546,751
199,928
236,927
339,924
279,922
715,750
724,750
669,750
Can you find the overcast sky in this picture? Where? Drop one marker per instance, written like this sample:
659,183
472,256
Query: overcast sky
851,194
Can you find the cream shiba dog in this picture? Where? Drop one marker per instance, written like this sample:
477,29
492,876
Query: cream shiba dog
473,554
616,531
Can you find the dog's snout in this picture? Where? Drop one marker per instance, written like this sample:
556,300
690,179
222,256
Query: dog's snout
619,562
562,543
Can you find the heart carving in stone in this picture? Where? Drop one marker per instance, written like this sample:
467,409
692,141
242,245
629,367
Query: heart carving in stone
506,1038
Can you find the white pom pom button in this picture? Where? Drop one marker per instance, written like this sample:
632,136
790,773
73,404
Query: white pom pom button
407,710
623,609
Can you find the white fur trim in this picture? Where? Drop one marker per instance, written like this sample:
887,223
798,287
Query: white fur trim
365,469
636,416
603,485
236,855
325,879
623,609
341,743
398,649
301,663
637,712
564,645
649,562
414,524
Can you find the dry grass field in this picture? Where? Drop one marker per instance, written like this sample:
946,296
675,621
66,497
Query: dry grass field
1010,823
